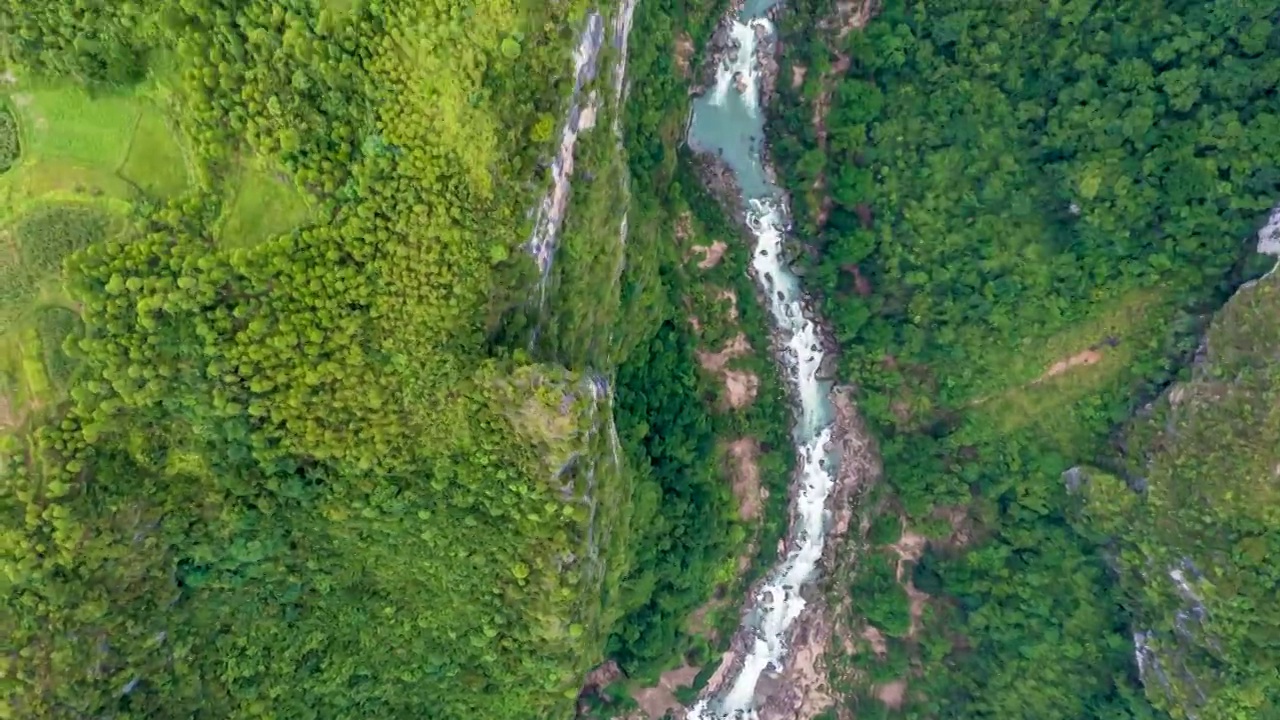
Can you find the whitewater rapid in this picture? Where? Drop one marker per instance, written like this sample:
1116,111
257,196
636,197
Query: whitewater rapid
727,122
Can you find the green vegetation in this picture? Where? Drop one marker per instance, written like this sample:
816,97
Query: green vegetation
683,510
673,421
33,247
55,326
265,205
303,402
308,440
878,597
155,161
1021,214
1194,547
289,433
66,122
886,529
107,142
10,143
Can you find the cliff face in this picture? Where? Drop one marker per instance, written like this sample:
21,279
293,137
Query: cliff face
1195,544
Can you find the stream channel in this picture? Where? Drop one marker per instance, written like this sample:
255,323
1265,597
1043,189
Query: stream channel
728,122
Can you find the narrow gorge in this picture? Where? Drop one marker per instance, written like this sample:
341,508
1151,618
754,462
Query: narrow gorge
727,129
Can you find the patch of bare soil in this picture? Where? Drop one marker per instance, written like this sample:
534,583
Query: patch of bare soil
740,387
658,701
879,645
917,601
798,72
909,549
711,254
957,516
697,624
597,680
735,348
854,15
695,323
1088,357
892,694
1092,356
684,52
745,454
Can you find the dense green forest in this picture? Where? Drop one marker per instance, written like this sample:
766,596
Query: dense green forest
280,468
1020,214
286,429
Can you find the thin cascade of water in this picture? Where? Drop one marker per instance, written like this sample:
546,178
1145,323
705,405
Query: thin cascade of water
550,213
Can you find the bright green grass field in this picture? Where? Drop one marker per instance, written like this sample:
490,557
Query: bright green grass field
155,162
265,204
100,143
65,122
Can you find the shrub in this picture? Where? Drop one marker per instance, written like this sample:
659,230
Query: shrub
10,146
885,530
54,325
49,233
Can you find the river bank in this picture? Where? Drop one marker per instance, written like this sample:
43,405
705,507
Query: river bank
773,668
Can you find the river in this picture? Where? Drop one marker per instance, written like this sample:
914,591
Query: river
727,121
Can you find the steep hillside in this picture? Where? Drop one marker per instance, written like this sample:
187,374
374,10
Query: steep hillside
263,455
1194,525
315,318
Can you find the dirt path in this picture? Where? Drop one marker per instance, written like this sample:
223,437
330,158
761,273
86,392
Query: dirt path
1084,358
1088,357
8,418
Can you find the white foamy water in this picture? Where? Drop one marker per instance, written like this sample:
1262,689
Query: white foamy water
1269,235
730,126
740,70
